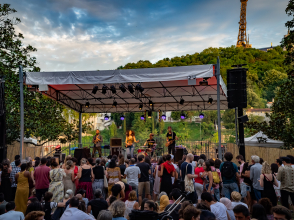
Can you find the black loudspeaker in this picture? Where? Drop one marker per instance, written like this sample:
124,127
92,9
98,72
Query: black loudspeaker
236,84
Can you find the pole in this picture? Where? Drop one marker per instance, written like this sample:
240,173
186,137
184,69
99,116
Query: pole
3,147
236,125
218,110
21,112
241,134
200,130
80,130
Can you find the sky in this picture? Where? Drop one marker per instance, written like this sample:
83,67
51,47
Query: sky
74,35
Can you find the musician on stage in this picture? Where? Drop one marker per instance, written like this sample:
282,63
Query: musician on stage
171,138
130,140
150,144
97,140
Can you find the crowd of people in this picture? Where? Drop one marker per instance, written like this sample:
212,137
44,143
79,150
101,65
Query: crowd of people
140,187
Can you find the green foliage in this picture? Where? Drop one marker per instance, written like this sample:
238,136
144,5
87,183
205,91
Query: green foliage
113,130
176,115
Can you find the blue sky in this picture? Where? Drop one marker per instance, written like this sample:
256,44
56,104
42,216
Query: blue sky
93,35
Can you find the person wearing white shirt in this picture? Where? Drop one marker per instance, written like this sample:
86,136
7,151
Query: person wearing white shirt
217,208
132,174
11,214
73,213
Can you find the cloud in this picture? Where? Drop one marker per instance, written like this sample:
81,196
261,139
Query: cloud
90,35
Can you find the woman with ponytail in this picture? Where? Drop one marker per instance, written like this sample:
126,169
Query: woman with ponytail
68,180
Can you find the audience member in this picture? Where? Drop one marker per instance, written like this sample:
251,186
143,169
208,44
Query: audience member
49,205
258,212
198,181
99,174
217,208
191,213
255,172
150,206
34,206
132,174
35,215
241,213
186,170
2,204
229,207
236,199
164,201
117,209
85,175
280,212
266,203
97,204
41,178
175,194
11,214
113,174
167,171
105,215
144,184
229,172
16,169
131,203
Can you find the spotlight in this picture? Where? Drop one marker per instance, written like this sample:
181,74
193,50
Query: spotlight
183,115
150,103
210,100
104,89
201,115
139,88
142,117
182,101
113,89
163,117
106,117
87,104
149,114
114,104
130,88
95,89
122,117
122,88
204,82
140,106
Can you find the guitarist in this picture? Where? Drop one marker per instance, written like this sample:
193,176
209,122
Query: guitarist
97,140
171,137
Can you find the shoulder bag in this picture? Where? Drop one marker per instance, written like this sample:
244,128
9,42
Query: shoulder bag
189,186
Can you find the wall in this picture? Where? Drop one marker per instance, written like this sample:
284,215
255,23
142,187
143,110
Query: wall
266,153
28,150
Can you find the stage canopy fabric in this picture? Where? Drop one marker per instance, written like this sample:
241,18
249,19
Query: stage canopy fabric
262,140
164,87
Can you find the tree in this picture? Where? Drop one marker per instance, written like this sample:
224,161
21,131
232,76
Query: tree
176,115
281,125
42,116
113,130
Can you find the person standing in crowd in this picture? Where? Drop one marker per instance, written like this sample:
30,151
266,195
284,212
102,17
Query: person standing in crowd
41,178
97,140
132,174
241,213
266,203
122,166
73,213
258,212
85,176
98,204
171,138
279,162
156,186
151,179
22,192
56,186
99,172
217,164
11,214
229,207
217,208
131,203
144,183
113,174
186,166
280,212
130,140
2,204
275,168
268,181
14,171
229,172
208,179
286,177
246,184
255,172
76,171
198,182
68,180
167,171
12,164
30,168
292,160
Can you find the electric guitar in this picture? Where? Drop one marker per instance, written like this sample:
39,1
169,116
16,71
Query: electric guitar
169,143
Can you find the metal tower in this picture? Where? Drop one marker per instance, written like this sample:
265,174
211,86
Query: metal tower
242,38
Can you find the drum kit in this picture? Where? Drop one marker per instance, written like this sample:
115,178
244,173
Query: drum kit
144,150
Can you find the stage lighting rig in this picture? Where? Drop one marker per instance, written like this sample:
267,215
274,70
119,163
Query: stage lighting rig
104,90
141,106
183,115
113,89
122,88
149,114
95,89
142,117
139,88
150,103
114,104
87,104
130,88
106,117
201,115
182,101
210,100
122,117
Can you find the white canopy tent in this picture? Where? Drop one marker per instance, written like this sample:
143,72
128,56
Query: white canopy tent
262,140
164,87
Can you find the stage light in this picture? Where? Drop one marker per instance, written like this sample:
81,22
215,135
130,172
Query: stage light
201,115
150,103
163,117
182,101
210,100
139,88
122,88
87,104
149,114
95,89
130,88
113,89
106,117
142,117
140,106
183,115
122,117
114,104
204,82
104,90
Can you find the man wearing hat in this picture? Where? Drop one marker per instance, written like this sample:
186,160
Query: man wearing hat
286,177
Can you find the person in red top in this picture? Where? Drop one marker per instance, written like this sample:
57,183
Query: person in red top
167,171
198,184
41,177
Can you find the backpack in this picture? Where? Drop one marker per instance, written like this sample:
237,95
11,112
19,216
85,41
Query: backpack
215,177
228,170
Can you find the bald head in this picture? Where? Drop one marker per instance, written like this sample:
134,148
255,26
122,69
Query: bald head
190,158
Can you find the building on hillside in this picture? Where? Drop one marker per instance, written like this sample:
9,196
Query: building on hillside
169,118
258,112
266,49
269,104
